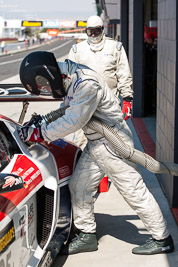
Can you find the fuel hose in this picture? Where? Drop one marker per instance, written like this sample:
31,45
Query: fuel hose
123,149
130,153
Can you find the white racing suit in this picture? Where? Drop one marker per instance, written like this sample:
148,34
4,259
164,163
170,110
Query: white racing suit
108,58
88,95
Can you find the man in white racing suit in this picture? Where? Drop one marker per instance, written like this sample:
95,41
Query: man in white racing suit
87,96
108,58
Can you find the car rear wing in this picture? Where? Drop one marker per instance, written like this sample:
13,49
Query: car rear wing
17,93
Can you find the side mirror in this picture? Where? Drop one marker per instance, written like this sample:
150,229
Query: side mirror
10,182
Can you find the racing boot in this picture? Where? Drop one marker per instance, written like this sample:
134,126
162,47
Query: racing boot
83,242
154,246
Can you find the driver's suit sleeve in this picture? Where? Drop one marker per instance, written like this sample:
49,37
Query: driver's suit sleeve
83,104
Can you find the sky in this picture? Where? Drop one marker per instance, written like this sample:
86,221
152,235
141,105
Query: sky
52,9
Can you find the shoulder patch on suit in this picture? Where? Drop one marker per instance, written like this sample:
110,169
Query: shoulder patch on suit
74,48
119,45
77,83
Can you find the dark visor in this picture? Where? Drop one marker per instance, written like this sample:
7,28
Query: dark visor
94,31
43,85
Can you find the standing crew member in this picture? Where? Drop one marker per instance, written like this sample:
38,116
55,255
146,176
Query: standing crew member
108,58
3,45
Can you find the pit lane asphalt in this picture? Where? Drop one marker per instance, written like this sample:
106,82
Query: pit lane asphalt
10,62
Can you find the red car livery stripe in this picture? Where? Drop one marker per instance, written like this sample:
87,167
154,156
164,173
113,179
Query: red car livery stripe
64,154
31,175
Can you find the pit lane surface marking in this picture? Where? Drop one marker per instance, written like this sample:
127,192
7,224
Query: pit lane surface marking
50,50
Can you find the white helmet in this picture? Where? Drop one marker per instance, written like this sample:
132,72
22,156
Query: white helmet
95,29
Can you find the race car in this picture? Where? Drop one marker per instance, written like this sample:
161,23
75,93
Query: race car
35,207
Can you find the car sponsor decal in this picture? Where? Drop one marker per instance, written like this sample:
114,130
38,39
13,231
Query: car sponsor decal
31,176
22,225
7,237
60,142
64,171
30,214
29,172
10,182
64,154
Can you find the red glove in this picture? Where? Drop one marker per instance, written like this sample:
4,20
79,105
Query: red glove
31,134
127,108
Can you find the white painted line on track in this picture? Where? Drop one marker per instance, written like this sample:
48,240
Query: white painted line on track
16,79
55,48
20,59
